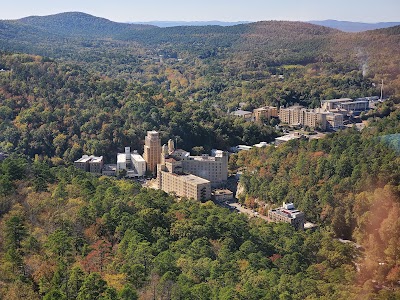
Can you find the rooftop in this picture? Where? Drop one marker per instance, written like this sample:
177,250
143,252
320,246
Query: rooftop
288,137
337,100
191,178
244,147
241,113
223,192
261,145
137,157
290,213
96,159
87,158
121,157
264,108
353,102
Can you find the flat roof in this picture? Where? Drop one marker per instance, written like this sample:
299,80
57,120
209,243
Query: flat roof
195,179
261,145
244,147
290,213
96,159
337,100
137,157
87,158
222,192
265,108
190,178
240,112
121,157
355,102
288,137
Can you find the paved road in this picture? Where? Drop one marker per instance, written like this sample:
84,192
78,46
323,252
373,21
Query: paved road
247,211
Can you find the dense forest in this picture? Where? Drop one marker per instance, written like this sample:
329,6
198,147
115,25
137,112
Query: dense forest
348,181
225,64
68,235
63,111
74,84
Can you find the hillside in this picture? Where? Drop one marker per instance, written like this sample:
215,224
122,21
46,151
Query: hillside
354,26
81,24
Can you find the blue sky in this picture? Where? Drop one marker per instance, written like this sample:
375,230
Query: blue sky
204,10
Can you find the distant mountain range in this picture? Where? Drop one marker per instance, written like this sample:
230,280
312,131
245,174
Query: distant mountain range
190,23
347,26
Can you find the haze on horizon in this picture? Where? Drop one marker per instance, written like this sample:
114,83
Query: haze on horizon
368,11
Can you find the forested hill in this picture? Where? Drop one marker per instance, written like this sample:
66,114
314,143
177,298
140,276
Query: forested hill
80,24
354,26
75,24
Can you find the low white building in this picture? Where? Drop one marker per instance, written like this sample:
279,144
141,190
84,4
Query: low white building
132,163
287,138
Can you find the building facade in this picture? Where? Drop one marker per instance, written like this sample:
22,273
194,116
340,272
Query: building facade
213,168
132,163
288,214
355,106
152,150
93,164
265,113
96,165
328,105
334,121
183,185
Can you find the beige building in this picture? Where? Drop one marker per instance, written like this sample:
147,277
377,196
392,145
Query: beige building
334,121
300,116
290,115
313,119
183,185
152,150
266,113
288,214
213,168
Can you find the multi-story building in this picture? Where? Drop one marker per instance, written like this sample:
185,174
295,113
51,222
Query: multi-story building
334,121
328,105
152,150
91,163
288,214
346,104
183,185
247,115
96,165
355,106
109,170
213,168
132,163
291,115
300,116
265,113
313,119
